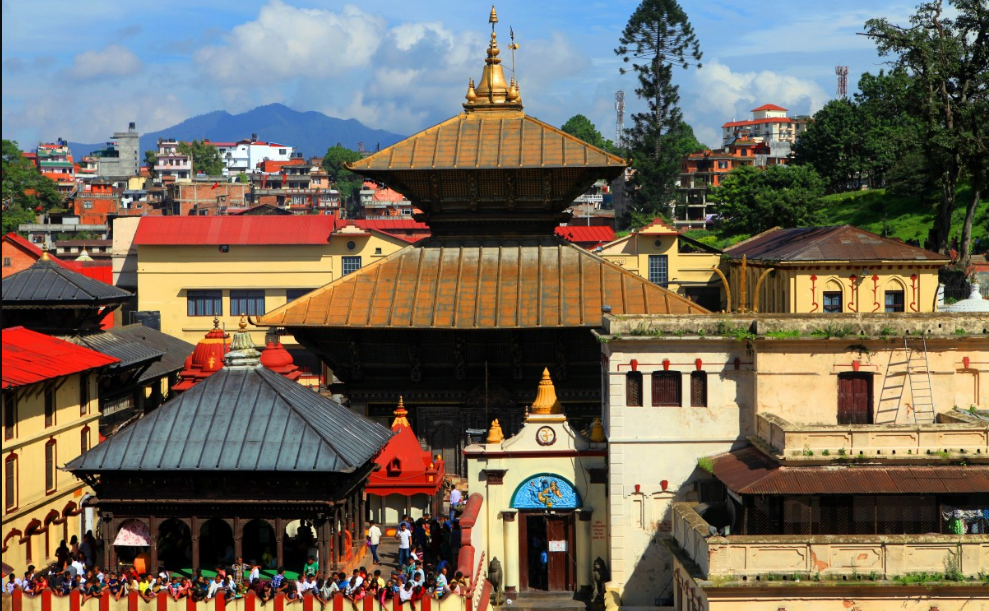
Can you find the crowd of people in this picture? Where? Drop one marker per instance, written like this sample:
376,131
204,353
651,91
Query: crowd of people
426,546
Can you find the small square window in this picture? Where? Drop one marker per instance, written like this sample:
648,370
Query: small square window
894,301
832,302
351,265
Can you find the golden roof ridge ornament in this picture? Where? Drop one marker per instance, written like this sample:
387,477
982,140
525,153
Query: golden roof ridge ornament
494,91
400,415
547,406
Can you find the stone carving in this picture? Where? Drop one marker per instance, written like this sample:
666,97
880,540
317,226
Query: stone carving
601,575
545,492
496,577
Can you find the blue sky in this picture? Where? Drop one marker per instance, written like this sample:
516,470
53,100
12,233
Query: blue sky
81,70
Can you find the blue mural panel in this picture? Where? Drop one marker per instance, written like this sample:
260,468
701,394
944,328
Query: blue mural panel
545,491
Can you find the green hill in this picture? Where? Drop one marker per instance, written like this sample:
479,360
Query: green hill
907,218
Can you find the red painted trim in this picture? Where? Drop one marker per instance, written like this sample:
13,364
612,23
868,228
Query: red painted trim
105,601
307,601
46,600
368,603
190,605
813,294
250,601
280,602
17,600
852,307
875,293
338,602
537,454
75,600
914,287
132,598
221,602
427,603
162,600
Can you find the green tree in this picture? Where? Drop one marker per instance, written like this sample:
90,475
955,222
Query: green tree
751,200
345,181
832,145
15,215
150,159
23,186
243,178
205,157
657,37
949,60
889,132
581,127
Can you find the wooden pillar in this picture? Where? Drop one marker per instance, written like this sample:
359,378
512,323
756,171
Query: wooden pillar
153,532
109,534
361,514
194,527
279,536
238,538
338,531
323,547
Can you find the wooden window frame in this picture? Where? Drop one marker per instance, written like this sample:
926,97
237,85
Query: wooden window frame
829,308
9,415
51,477
898,306
633,378
196,297
84,440
84,393
677,378
51,406
247,301
12,493
695,400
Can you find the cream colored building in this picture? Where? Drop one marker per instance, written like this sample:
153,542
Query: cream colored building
692,400
544,489
660,254
190,269
50,415
831,270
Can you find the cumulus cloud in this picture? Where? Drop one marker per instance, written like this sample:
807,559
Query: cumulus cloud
285,42
112,61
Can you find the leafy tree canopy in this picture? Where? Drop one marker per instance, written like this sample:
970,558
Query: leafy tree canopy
205,157
581,127
345,181
25,191
751,200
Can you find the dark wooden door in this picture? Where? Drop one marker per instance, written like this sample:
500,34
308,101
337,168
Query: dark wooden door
855,398
560,552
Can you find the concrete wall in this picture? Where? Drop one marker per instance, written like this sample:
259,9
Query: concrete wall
388,510
56,518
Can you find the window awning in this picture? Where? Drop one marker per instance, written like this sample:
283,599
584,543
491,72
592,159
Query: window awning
134,533
749,471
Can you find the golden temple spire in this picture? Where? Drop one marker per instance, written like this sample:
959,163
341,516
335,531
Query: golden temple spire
597,431
495,434
400,416
546,403
494,90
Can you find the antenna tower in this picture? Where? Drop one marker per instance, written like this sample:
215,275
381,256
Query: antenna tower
842,72
620,122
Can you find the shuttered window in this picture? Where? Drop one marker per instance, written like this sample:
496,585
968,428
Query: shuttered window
10,482
49,407
666,389
50,466
633,388
698,389
83,394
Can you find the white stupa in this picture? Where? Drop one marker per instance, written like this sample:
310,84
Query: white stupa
974,303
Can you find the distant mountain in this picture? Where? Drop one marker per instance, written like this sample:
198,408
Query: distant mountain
309,132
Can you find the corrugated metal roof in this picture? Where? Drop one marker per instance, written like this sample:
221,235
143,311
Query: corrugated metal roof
749,471
30,357
243,419
840,243
47,282
129,352
494,140
174,350
586,233
464,283
234,230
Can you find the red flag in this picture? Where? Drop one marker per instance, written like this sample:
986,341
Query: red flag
215,185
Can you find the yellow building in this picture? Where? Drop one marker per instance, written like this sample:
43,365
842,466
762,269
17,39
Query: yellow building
663,256
192,269
50,415
831,270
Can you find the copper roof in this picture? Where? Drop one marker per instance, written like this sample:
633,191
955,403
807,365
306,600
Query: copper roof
489,140
464,283
749,471
838,243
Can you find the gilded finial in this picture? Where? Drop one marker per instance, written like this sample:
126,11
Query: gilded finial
400,415
546,402
495,434
216,322
243,322
493,91
44,256
597,431
471,94
493,18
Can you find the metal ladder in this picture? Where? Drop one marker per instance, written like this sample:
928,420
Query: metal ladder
912,372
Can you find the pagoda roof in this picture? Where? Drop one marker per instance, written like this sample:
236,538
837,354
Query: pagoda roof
406,468
507,139
241,419
468,283
47,282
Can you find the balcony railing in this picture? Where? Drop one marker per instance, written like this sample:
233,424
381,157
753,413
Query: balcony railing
952,436
738,557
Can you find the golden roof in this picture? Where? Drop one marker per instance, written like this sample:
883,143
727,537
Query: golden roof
467,283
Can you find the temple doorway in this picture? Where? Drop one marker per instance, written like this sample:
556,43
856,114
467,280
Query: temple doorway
259,545
216,544
174,545
547,557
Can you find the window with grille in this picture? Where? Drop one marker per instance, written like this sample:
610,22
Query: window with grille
666,389
9,415
832,302
351,265
658,270
83,394
10,482
50,466
49,407
247,302
894,301
698,389
633,389
204,303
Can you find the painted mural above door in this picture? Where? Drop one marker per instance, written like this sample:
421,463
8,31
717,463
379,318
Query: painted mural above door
545,491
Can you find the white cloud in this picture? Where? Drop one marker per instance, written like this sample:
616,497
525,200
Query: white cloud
112,61
287,42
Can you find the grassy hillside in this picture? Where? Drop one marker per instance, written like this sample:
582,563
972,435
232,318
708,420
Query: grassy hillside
907,218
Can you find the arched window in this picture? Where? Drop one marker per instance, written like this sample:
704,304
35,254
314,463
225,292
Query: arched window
832,297
894,296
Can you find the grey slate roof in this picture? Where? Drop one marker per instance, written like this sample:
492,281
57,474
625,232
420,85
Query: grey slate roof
45,282
241,419
129,352
174,350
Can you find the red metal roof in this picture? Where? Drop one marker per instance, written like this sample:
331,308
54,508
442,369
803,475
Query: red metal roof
392,225
30,357
769,107
598,234
406,468
749,471
758,121
234,230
